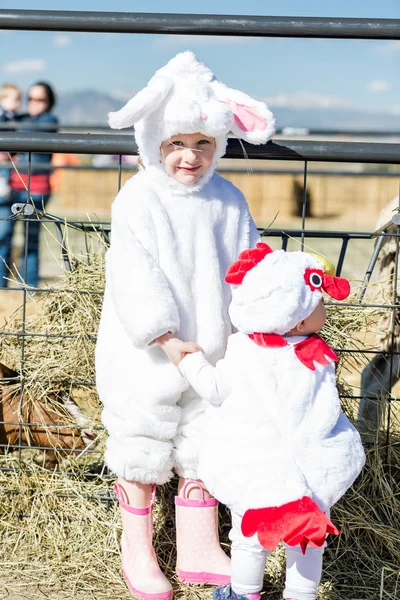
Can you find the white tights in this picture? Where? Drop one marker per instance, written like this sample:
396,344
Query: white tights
248,558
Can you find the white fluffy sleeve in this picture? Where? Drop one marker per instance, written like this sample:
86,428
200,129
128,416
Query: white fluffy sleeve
211,383
139,289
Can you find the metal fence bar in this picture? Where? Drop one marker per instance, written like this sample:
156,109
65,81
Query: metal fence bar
23,324
119,171
304,206
393,343
192,24
311,150
50,425
64,250
221,169
284,131
342,255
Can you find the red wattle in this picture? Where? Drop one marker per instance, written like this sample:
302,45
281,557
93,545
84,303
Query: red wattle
336,287
268,340
315,349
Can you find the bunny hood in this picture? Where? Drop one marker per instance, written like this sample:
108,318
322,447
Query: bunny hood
185,97
274,290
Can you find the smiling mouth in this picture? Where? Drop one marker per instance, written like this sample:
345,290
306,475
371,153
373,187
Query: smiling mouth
189,169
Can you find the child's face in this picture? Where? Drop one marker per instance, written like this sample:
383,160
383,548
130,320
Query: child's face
186,157
314,322
11,102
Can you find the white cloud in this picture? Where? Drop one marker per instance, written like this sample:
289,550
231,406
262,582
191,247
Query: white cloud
306,99
61,40
167,41
388,48
396,110
24,66
379,85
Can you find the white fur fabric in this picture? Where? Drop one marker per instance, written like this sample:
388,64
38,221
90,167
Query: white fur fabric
279,433
165,271
185,97
274,297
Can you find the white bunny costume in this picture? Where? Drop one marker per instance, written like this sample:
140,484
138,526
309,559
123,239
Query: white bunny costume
170,247
278,450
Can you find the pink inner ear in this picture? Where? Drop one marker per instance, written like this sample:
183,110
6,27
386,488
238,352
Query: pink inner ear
246,118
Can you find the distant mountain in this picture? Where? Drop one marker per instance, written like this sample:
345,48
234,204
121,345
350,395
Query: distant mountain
90,107
340,119
85,107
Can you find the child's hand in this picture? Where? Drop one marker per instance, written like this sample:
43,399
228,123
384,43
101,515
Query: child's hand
175,348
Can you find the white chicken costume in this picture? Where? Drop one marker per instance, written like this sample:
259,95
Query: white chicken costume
170,247
277,450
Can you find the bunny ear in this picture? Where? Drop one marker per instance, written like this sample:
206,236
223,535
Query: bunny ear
143,104
253,121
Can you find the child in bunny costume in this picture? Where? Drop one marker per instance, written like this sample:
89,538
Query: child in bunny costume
176,227
278,450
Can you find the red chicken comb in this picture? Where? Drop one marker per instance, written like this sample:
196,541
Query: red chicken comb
246,261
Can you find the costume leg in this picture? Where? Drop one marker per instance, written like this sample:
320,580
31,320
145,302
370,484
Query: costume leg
189,434
139,562
303,573
247,562
141,414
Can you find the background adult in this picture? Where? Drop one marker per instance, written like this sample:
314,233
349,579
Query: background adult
41,100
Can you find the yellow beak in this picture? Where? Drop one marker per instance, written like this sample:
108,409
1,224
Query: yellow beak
329,268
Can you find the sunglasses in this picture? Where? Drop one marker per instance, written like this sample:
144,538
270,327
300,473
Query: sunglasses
31,99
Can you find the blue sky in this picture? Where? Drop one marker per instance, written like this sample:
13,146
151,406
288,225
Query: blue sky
284,72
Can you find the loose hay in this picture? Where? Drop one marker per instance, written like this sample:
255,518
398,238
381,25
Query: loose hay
57,532
61,530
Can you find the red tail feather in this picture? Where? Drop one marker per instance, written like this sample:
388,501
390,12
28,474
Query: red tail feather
297,523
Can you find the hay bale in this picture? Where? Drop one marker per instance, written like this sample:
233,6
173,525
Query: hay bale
64,320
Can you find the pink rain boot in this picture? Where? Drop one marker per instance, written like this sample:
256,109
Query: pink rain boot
200,558
140,567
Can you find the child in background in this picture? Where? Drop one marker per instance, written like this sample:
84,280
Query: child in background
176,226
10,102
278,450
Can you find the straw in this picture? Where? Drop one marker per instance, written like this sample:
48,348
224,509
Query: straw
60,530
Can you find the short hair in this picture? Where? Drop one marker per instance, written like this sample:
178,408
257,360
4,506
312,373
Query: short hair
6,88
51,97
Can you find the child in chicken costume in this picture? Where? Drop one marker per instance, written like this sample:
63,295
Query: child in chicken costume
277,449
